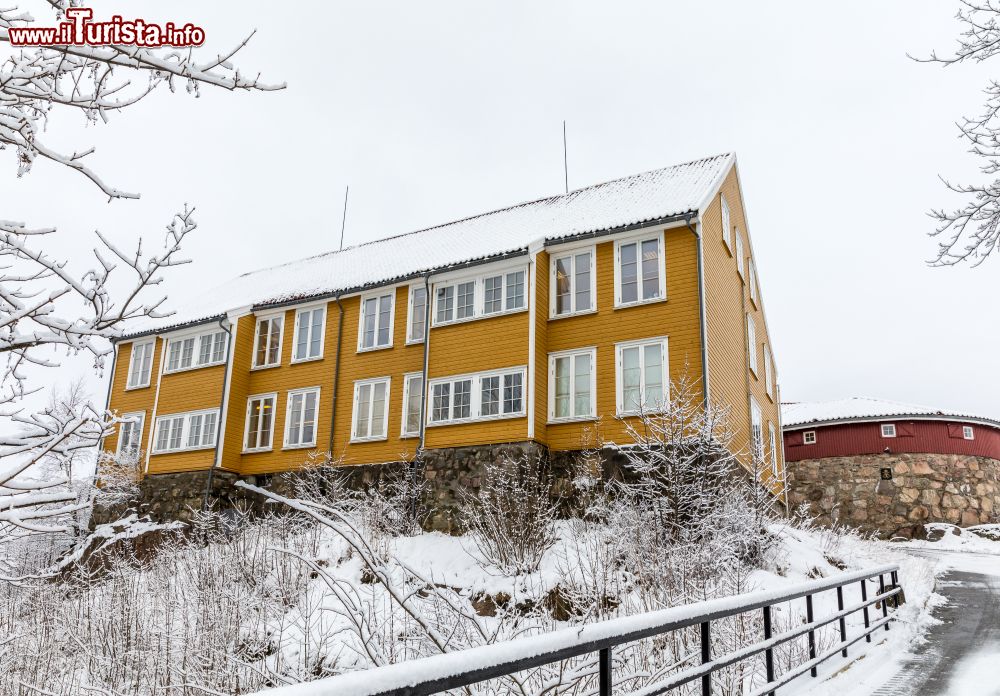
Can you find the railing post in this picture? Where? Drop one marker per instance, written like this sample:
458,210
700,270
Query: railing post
605,672
768,653
843,619
895,584
812,633
864,598
706,656
885,603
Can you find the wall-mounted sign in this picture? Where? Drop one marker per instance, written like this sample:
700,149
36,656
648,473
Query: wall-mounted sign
886,474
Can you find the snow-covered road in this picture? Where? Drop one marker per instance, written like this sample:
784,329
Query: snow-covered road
961,656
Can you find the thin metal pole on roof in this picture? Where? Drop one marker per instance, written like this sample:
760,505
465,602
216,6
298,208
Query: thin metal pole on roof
565,159
343,222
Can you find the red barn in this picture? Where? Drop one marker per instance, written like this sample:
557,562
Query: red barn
889,467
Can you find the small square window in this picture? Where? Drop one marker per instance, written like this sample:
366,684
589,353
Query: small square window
809,437
967,432
888,430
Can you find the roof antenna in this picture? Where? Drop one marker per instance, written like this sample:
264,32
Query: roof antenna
565,159
343,223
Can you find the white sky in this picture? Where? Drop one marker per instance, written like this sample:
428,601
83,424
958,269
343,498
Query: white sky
436,110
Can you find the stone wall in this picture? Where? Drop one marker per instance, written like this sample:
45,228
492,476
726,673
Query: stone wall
957,489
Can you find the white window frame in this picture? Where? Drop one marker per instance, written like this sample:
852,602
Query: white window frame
619,377
288,418
572,254
131,364
727,222
322,334
410,340
246,422
740,258
968,433
572,355
809,437
403,432
479,294
475,396
185,431
888,430
756,430
768,372
383,292
197,338
137,417
280,316
385,416
752,269
662,270
772,433
752,361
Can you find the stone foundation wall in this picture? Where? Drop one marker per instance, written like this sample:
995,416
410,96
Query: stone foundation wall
957,489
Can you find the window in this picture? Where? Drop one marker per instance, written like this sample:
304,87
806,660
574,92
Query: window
504,292
639,274
300,417
130,433
572,388
267,341
752,343
371,410
376,322
416,326
186,431
768,371
309,334
774,448
739,253
465,306
726,224
967,432
515,290
482,296
141,365
756,431
413,394
753,281
642,376
260,422
572,280
888,430
809,437
196,351
469,397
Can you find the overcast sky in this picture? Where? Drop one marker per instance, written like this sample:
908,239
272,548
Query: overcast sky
436,110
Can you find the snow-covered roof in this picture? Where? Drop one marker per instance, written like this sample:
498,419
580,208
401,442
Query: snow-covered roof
642,198
797,414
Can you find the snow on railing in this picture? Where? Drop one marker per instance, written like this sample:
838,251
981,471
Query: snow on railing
438,673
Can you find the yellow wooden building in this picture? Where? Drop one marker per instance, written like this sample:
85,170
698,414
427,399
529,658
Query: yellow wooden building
548,322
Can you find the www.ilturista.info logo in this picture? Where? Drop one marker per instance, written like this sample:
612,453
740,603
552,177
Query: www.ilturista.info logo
80,30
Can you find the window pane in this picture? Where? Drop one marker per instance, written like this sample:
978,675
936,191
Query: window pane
563,299
650,269
370,311
440,408
562,387
493,295
512,389
187,352
316,337
378,410
445,303
462,403
385,308
194,431
302,338
174,361
419,310
364,408
490,401
176,428
309,419
205,349
219,347
631,376
163,435
466,300
273,339
294,419
261,357
582,267
581,385
515,290
208,429
266,414
653,373
414,396
628,273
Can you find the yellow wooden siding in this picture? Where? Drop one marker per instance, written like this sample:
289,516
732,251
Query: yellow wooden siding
728,302
239,389
677,318
132,400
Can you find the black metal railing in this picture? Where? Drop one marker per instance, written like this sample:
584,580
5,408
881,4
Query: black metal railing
439,673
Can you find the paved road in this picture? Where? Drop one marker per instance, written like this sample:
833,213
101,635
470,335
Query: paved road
962,654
